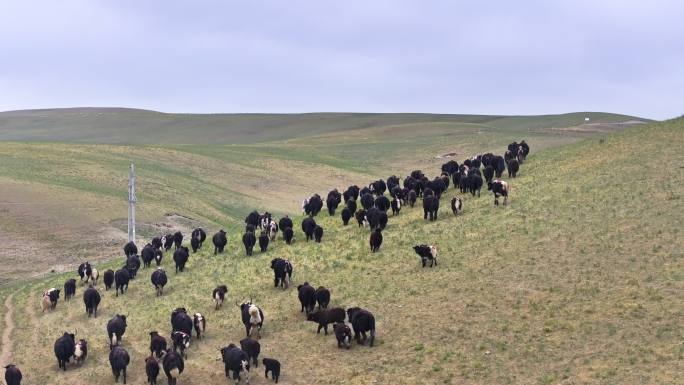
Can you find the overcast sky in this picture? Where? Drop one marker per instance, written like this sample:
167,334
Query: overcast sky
491,57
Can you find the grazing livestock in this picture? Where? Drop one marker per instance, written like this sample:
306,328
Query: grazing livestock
521,155
513,167
382,220
263,241
200,324
197,238
282,270
12,375
376,240
181,321
526,149
346,216
272,366
474,182
52,295
181,341
343,334
318,233
249,240
152,369
147,255
489,173
352,192
314,206
180,257
499,188
219,295
412,197
219,239
392,183
285,222
81,351
382,203
121,278
91,299
351,205
450,167
173,366
158,255
235,360
252,348
116,327
119,360
253,219
65,346
426,253
456,205
167,240
157,344
288,234
94,275
427,192
367,201
332,201
362,321
308,226
322,297
84,271
306,294
378,187
396,206
252,318
264,221
361,218
430,207
130,249
324,317
272,230
156,243
133,265
108,279
159,280
437,185
45,303
177,239
69,288
499,165
373,217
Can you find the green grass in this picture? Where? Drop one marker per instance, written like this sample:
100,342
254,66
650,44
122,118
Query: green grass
131,126
80,188
578,280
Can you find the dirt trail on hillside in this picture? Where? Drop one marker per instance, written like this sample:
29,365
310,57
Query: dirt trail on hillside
31,311
6,354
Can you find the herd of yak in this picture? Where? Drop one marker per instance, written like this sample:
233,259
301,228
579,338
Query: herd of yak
169,356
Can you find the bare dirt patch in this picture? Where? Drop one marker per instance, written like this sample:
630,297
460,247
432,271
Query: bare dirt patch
6,354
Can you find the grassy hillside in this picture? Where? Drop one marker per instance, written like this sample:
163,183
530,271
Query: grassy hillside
577,281
62,201
131,126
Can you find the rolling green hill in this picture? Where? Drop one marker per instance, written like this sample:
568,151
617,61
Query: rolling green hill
132,126
67,201
577,281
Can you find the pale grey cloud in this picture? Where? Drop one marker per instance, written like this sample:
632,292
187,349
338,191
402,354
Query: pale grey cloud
513,57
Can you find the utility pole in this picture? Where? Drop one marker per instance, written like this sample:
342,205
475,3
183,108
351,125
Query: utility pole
131,204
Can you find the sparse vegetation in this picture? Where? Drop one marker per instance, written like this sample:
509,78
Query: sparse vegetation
577,281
